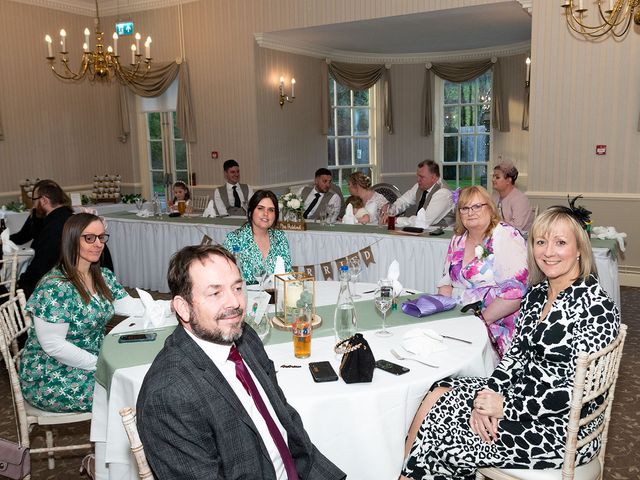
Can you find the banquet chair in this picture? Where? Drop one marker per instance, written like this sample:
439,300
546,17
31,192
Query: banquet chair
129,422
8,276
387,190
596,376
13,323
200,202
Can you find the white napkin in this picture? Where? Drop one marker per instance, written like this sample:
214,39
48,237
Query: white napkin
8,247
155,311
349,218
421,220
209,211
393,274
144,213
422,342
609,232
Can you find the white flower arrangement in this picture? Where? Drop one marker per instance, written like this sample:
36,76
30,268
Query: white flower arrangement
482,252
292,207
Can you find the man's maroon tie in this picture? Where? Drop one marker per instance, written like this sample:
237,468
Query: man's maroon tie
247,382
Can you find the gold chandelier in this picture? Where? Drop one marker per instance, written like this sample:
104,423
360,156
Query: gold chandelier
100,64
616,19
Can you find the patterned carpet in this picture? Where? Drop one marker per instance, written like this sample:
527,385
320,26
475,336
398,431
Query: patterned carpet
623,452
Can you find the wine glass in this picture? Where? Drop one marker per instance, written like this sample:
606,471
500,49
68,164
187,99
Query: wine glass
262,326
383,300
138,202
355,268
260,273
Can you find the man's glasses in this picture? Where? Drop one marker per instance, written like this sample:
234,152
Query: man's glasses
471,208
33,199
91,237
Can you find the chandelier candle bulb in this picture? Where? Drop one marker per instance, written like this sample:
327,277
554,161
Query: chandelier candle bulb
138,37
133,54
109,49
147,48
63,41
293,88
49,47
86,38
528,62
85,47
115,44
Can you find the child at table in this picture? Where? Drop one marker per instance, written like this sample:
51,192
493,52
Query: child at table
359,212
180,192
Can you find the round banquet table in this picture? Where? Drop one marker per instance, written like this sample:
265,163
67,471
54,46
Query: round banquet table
359,427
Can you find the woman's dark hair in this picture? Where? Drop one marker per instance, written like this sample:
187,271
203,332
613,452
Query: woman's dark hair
181,184
70,254
255,200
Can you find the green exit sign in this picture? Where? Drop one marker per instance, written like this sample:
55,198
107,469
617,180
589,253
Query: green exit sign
124,28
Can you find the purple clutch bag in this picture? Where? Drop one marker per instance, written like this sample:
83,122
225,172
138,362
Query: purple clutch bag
428,305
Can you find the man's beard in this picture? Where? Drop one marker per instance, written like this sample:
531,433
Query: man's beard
216,335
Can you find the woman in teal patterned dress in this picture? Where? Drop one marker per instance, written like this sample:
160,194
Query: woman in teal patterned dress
70,307
258,243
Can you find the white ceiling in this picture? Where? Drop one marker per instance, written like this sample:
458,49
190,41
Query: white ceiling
107,7
484,28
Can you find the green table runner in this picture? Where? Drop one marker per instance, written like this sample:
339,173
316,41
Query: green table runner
114,355
610,245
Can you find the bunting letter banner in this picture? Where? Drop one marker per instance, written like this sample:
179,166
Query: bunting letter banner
310,270
327,270
352,256
367,256
206,240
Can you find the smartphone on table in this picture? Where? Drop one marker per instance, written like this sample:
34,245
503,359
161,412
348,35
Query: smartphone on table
137,337
322,372
391,367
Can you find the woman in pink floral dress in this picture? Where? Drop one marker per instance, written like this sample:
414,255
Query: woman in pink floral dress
487,262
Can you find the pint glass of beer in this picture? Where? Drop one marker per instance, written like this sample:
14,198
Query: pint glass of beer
302,333
182,207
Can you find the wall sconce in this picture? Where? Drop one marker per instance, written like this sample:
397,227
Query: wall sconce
283,96
527,79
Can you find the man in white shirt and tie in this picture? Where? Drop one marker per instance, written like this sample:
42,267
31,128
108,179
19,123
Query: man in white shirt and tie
232,197
431,194
319,199
210,405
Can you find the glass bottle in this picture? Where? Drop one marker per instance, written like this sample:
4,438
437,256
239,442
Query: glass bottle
344,319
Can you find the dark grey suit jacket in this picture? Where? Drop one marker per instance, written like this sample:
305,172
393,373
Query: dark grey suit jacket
193,426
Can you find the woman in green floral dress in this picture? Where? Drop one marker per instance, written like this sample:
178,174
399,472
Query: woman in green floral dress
70,307
257,242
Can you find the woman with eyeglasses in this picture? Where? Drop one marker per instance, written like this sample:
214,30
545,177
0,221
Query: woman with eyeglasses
70,308
487,263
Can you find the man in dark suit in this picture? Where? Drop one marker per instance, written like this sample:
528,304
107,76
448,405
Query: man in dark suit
210,405
50,212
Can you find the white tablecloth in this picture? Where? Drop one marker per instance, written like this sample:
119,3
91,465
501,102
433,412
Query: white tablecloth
141,251
360,427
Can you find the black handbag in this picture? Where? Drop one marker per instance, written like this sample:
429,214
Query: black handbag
15,461
358,361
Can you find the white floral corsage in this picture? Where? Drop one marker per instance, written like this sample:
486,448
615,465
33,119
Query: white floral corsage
482,252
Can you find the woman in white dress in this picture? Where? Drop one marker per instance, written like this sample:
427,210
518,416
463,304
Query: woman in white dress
375,204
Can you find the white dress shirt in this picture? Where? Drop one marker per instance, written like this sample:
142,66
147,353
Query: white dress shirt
222,210
440,204
219,355
334,202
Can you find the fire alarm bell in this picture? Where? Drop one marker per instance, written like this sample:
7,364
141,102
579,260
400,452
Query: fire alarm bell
601,149
214,155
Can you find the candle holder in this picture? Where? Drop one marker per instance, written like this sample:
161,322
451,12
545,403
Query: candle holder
293,291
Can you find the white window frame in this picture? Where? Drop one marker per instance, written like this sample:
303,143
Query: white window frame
438,140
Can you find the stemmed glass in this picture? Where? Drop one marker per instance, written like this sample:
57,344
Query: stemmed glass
383,300
260,325
355,268
261,274
138,202
331,213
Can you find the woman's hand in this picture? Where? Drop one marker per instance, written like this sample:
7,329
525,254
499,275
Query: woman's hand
484,426
489,403
446,290
500,308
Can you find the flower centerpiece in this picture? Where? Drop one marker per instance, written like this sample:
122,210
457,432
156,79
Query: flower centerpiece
291,209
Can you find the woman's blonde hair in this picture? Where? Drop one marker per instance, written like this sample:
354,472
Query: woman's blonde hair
466,194
360,179
545,223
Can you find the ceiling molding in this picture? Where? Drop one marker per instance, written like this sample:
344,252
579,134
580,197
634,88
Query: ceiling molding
274,42
107,8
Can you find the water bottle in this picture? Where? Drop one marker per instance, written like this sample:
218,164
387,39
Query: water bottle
344,318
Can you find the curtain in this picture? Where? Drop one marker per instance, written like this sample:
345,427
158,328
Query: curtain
155,83
462,72
525,111
356,76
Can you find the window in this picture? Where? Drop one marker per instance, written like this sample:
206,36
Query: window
465,131
351,134
167,152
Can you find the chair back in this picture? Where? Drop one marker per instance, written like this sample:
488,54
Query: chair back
13,323
8,276
387,190
130,426
199,202
596,377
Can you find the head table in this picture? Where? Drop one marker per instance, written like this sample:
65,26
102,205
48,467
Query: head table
141,249
360,427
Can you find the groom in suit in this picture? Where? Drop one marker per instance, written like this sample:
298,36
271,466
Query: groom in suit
210,405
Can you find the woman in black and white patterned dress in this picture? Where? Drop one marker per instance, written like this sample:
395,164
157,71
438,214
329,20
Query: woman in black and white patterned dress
517,418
